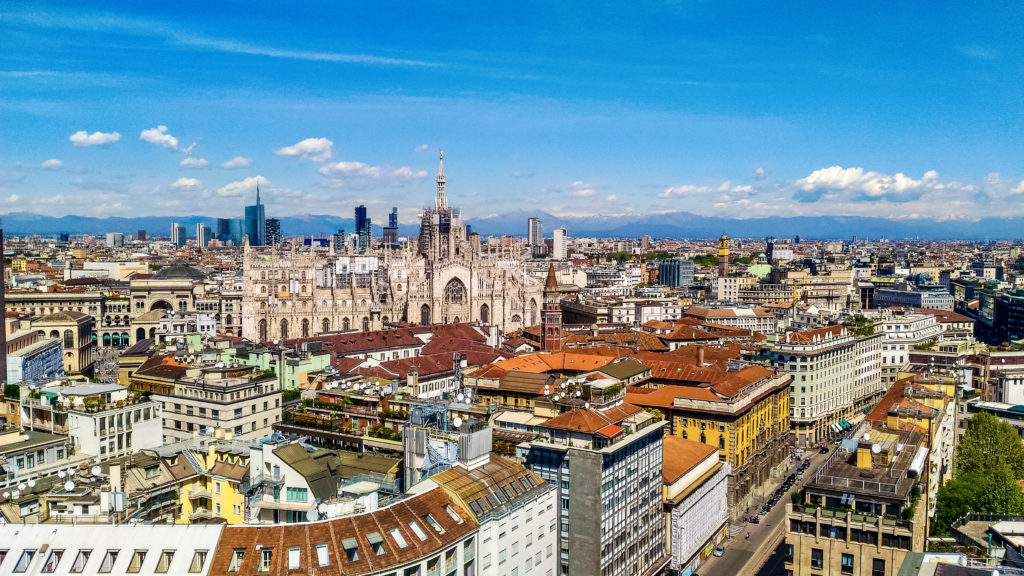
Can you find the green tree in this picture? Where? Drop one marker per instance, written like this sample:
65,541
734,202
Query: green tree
954,500
987,444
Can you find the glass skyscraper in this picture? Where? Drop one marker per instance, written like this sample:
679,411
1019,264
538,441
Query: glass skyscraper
256,222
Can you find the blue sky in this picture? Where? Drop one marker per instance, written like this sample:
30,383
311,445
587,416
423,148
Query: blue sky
905,110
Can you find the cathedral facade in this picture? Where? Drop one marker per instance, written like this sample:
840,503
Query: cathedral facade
443,277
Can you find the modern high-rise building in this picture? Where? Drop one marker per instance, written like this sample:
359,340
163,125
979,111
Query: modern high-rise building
256,222
363,227
115,239
560,244
535,235
338,239
675,273
391,230
141,235
222,229
273,229
203,235
607,468
178,235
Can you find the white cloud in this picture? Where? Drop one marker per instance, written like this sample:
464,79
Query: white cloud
315,149
611,197
160,137
408,173
692,190
83,138
421,147
13,198
343,169
1018,189
342,173
242,187
858,184
192,162
237,162
188,183
760,173
582,189
52,164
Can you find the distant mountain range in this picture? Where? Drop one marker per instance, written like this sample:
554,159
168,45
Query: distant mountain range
665,225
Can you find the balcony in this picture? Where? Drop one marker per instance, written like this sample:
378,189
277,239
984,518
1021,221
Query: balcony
198,493
200,514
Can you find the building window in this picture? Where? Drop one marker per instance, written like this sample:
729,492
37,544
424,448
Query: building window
108,561
198,561
817,558
296,494
164,564
24,560
846,565
138,557
322,555
236,559
877,567
294,558
266,555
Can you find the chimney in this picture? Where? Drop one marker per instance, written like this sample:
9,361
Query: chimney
700,356
115,477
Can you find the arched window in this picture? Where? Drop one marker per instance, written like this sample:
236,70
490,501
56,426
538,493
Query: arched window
703,438
106,340
516,319
125,339
721,442
227,320
425,314
366,324
263,289
326,325
533,312
115,339
485,314
263,330
305,328
140,334
284,329
455,292
345,325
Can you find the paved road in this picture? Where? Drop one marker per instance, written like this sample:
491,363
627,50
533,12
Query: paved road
745,557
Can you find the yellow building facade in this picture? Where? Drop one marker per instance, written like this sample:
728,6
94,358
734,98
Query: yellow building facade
215,491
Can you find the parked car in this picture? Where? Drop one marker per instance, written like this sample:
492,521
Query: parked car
719,550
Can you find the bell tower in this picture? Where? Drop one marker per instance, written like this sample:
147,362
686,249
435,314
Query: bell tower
723,255
551,314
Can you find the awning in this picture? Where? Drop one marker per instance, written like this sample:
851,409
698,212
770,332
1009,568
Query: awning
374,538
349,544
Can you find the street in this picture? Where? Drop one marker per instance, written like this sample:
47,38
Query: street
759,555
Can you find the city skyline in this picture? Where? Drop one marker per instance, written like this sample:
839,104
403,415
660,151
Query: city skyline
874,111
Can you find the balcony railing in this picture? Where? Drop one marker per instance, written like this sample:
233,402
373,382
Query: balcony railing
200,514
200,493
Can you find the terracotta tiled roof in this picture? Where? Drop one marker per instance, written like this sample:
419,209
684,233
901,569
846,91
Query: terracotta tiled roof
816,335
363,531
679,456
586,420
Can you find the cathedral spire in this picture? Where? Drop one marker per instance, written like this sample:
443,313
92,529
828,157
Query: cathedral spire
441,203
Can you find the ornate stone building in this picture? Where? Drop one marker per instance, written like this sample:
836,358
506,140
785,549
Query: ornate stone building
444,277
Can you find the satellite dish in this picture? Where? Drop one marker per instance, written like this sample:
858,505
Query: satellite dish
876,449
579,393
461,397
96,470
7,494
321,508
312,515
276,342
61,473
26,437
457,421
867,436
69,485
71,472
21,486
31,483
16,494
586,405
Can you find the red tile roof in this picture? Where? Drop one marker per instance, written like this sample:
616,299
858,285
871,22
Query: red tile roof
679,456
